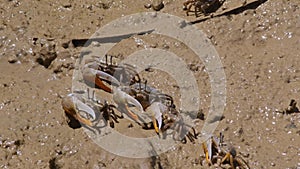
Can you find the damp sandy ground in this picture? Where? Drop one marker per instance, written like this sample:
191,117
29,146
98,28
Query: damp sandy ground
258,46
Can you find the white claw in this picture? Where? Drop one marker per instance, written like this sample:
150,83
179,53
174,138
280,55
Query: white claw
100,74
121,97
82,106
209,148
159,119
107,77
157,109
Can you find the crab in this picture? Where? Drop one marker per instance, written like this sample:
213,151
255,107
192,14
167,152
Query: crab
153,101
202,6
137,94
94,75
90,110
173,120
214,148
292,108
163,110
147,95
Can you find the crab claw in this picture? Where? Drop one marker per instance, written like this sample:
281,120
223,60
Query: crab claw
124,99
209,150
71,105
95,77
157,109
212,142
83,107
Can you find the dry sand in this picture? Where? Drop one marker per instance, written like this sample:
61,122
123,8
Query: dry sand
258,46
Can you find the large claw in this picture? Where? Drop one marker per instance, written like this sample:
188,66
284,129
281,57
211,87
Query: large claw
124,99
83,107
157,109
107,77
95,77
71,104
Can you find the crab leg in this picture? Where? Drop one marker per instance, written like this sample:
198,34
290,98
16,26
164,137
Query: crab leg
242,162
228,157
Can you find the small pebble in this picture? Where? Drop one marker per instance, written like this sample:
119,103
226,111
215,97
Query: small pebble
130,125
291,126
147,6
12,60
65,45
200,115
157,5
193,67
67,5
153,46
149,69
165,46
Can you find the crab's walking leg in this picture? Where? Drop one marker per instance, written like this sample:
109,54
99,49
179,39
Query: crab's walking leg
231,161
228,157
186,7
241,162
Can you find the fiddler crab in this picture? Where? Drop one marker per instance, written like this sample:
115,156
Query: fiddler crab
163,111
292,108
173,120
88,111
151,100
96,73
202,6
216,151
112,79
